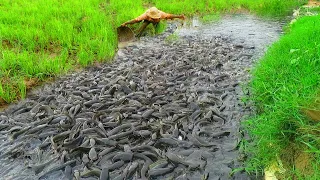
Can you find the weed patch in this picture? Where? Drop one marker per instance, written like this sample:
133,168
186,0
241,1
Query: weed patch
210,18
286,81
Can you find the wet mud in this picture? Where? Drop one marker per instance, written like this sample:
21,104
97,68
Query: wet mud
161,110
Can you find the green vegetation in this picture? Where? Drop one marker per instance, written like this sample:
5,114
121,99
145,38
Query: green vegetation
151,30
42,39
161,27
286,83
210,18
261,7
172,38
310,11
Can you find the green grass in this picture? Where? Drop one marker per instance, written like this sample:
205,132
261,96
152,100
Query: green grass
285,81
43,39
210,18
172,38
307,11
261,7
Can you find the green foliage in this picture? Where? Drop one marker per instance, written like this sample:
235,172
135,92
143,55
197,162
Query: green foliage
210,18
262,7
160,27
285,81
7,92
172,38
124,10
45,38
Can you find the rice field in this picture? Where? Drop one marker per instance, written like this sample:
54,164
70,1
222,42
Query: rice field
41,40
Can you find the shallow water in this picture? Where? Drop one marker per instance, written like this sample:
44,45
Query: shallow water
247,29
231,45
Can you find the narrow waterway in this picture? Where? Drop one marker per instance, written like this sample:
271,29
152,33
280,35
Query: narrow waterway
164,108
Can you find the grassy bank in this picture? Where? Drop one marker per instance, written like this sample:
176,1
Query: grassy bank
42,39
285,90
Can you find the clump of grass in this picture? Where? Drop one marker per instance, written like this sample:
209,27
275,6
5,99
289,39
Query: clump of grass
285,81
22,88
124,10
269,8
161,27
309,10
151,30
7,92
172,38
210,18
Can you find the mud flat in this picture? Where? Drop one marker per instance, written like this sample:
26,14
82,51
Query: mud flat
161,109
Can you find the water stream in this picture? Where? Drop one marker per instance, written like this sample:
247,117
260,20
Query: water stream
202,70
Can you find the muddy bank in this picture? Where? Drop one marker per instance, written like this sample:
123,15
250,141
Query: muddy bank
162,109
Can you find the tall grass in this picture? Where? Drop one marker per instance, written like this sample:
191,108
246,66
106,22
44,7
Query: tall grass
286,81
45,38
41,39
261,7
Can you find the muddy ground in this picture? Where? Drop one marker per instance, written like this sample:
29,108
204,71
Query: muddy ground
165,108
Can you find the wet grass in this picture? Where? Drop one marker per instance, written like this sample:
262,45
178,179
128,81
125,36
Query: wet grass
43,39
285,84
172,38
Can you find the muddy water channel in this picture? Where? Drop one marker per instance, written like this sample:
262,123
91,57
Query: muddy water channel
164,109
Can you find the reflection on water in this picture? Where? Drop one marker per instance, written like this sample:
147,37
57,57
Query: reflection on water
247,29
